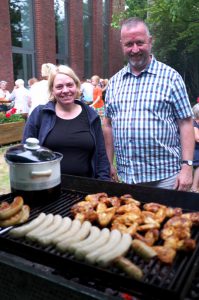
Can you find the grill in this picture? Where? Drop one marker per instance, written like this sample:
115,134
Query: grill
179,281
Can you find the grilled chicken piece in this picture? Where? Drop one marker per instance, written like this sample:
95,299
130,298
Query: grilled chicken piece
180,232
179,221
84,211
127,199
184,245
193,217
125,229
153,207
128,219
94,198
150,237
104,214
110,201
165,254
129,208
171,212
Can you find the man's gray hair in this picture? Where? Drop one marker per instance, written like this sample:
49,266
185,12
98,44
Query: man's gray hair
134,21
195,110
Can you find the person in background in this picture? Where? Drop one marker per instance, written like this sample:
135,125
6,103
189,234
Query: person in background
32,81
71,127
195,184
20,95
87,91
39,91
148,121
4,93
4,96
98,103
104,85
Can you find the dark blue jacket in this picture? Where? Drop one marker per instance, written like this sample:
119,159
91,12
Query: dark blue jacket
42,120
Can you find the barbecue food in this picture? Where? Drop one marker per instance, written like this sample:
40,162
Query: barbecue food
150,237
114,240
9,210
80,253
15,219
165,254
120,250
74,228
33,234
24,229
142,249
93,236
56,222
148,223
63,227
128,267
80,235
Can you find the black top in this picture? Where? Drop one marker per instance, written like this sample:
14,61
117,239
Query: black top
73,139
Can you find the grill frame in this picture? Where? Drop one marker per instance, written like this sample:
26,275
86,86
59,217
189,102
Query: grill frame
81,186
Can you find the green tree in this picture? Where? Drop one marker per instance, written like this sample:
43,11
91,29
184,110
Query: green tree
175,28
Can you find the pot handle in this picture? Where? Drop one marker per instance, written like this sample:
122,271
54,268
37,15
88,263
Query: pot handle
46,173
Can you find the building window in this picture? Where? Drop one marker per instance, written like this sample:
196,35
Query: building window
61,25
106,22
87,29
21,17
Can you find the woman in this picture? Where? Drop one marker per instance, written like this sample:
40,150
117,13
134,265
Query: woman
70,127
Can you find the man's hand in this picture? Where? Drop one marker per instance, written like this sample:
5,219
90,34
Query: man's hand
184,179
113,173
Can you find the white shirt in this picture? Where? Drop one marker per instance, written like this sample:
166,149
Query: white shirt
38,94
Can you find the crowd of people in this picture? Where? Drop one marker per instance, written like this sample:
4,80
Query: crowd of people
141,117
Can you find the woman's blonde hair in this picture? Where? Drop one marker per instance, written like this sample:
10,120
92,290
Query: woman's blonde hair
62,69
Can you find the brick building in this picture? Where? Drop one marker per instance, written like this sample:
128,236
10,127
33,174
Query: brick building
73,32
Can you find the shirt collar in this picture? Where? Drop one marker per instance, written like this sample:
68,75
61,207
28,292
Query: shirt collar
151,68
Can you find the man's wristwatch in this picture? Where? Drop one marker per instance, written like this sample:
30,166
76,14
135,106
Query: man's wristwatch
187,162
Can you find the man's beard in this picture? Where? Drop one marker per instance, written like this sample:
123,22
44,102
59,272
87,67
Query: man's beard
139,64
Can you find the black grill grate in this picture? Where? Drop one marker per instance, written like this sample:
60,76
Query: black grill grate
160,280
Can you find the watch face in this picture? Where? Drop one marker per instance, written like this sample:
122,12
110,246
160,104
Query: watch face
190,163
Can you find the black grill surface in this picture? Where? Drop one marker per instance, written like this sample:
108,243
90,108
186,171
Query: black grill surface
178,281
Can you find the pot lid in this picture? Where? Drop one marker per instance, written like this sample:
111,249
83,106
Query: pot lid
31,151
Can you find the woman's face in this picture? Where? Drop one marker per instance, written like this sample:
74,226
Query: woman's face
64,89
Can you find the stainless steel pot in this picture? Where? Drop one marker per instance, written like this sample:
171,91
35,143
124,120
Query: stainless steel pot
34,171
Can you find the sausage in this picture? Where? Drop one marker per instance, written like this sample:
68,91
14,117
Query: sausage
121,249
75,226
25,214
128,267
12,209
115,237
100,241
24,229
94,234
57,219
13,220
80,235
32,235
64,226
143,250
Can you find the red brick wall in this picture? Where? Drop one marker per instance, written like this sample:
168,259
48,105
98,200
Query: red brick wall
76,47
45,47
44,33
97,39
6,67
116,60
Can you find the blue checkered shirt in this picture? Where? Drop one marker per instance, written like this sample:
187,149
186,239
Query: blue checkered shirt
144,110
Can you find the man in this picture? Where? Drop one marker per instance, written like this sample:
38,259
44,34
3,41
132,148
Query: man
148,117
